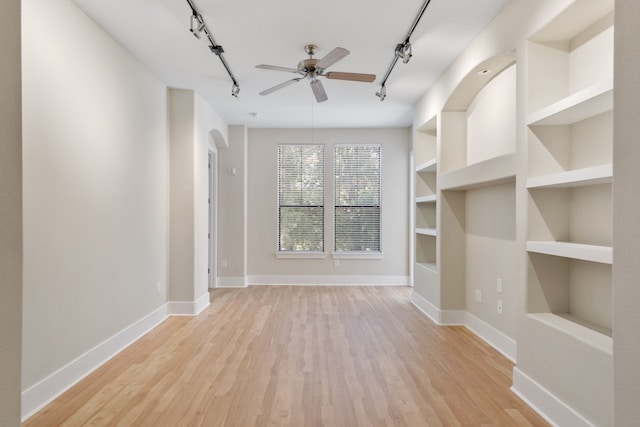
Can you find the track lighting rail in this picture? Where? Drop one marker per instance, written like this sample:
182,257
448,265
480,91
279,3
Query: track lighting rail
199,27
402,51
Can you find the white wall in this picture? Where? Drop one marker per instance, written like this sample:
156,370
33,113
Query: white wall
232,187
10,214
491,254
192,124
262,218
95,188
626,204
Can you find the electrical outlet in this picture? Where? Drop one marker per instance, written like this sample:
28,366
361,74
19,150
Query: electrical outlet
336,263
499,285
224,263
158,288
499,307
478,296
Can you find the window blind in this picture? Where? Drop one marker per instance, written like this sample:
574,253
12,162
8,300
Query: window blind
300,198
357,198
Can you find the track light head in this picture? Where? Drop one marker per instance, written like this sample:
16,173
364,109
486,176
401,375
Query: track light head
382,94
197,26
403,51
235,90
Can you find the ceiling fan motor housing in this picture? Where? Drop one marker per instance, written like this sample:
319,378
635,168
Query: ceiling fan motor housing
308,66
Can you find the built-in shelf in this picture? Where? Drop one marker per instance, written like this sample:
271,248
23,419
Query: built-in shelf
429,166
497,170
587,332
426,231
593,253
429,266
426,199
581,105
601,174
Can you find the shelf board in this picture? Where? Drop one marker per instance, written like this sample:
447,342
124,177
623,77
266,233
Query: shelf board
587,332
581,105
494,171
601,174
426,231
426,199
593,253
428,166
429,266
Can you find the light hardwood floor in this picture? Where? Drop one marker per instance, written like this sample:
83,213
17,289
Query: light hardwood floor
299,356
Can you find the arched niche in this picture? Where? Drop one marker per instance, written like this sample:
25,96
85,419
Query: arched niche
476,79
219,139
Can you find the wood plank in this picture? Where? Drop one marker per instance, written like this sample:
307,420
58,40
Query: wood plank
299,356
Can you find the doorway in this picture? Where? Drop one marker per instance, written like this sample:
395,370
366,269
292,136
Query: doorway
213,218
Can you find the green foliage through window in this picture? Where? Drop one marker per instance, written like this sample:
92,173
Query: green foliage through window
357,188
301,198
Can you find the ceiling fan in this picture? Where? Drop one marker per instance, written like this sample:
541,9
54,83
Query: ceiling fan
313,68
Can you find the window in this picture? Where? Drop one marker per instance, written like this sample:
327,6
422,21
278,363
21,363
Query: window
300,198
357,198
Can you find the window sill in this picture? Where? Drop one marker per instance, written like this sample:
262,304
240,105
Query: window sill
357,255
301,255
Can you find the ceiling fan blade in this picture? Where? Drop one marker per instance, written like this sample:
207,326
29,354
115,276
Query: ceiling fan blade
280,86
332,57
276,68
356,77
318,90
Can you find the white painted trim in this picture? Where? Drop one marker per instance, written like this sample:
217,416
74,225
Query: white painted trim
541,400
326,280
189,308
300,255
45,391
498,340
430,310
232,282
357,255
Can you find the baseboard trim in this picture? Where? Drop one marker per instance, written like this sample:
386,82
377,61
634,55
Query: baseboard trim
327,280
189,308
45,391
232,282
547,405
498,340
488,333
428,309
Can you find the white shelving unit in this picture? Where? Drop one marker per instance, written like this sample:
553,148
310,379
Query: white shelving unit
570,169
425,269
569,226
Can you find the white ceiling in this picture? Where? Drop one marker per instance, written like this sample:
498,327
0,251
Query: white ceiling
274,32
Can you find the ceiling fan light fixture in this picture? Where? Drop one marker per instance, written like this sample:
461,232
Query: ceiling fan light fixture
312,68
235,90
382,94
